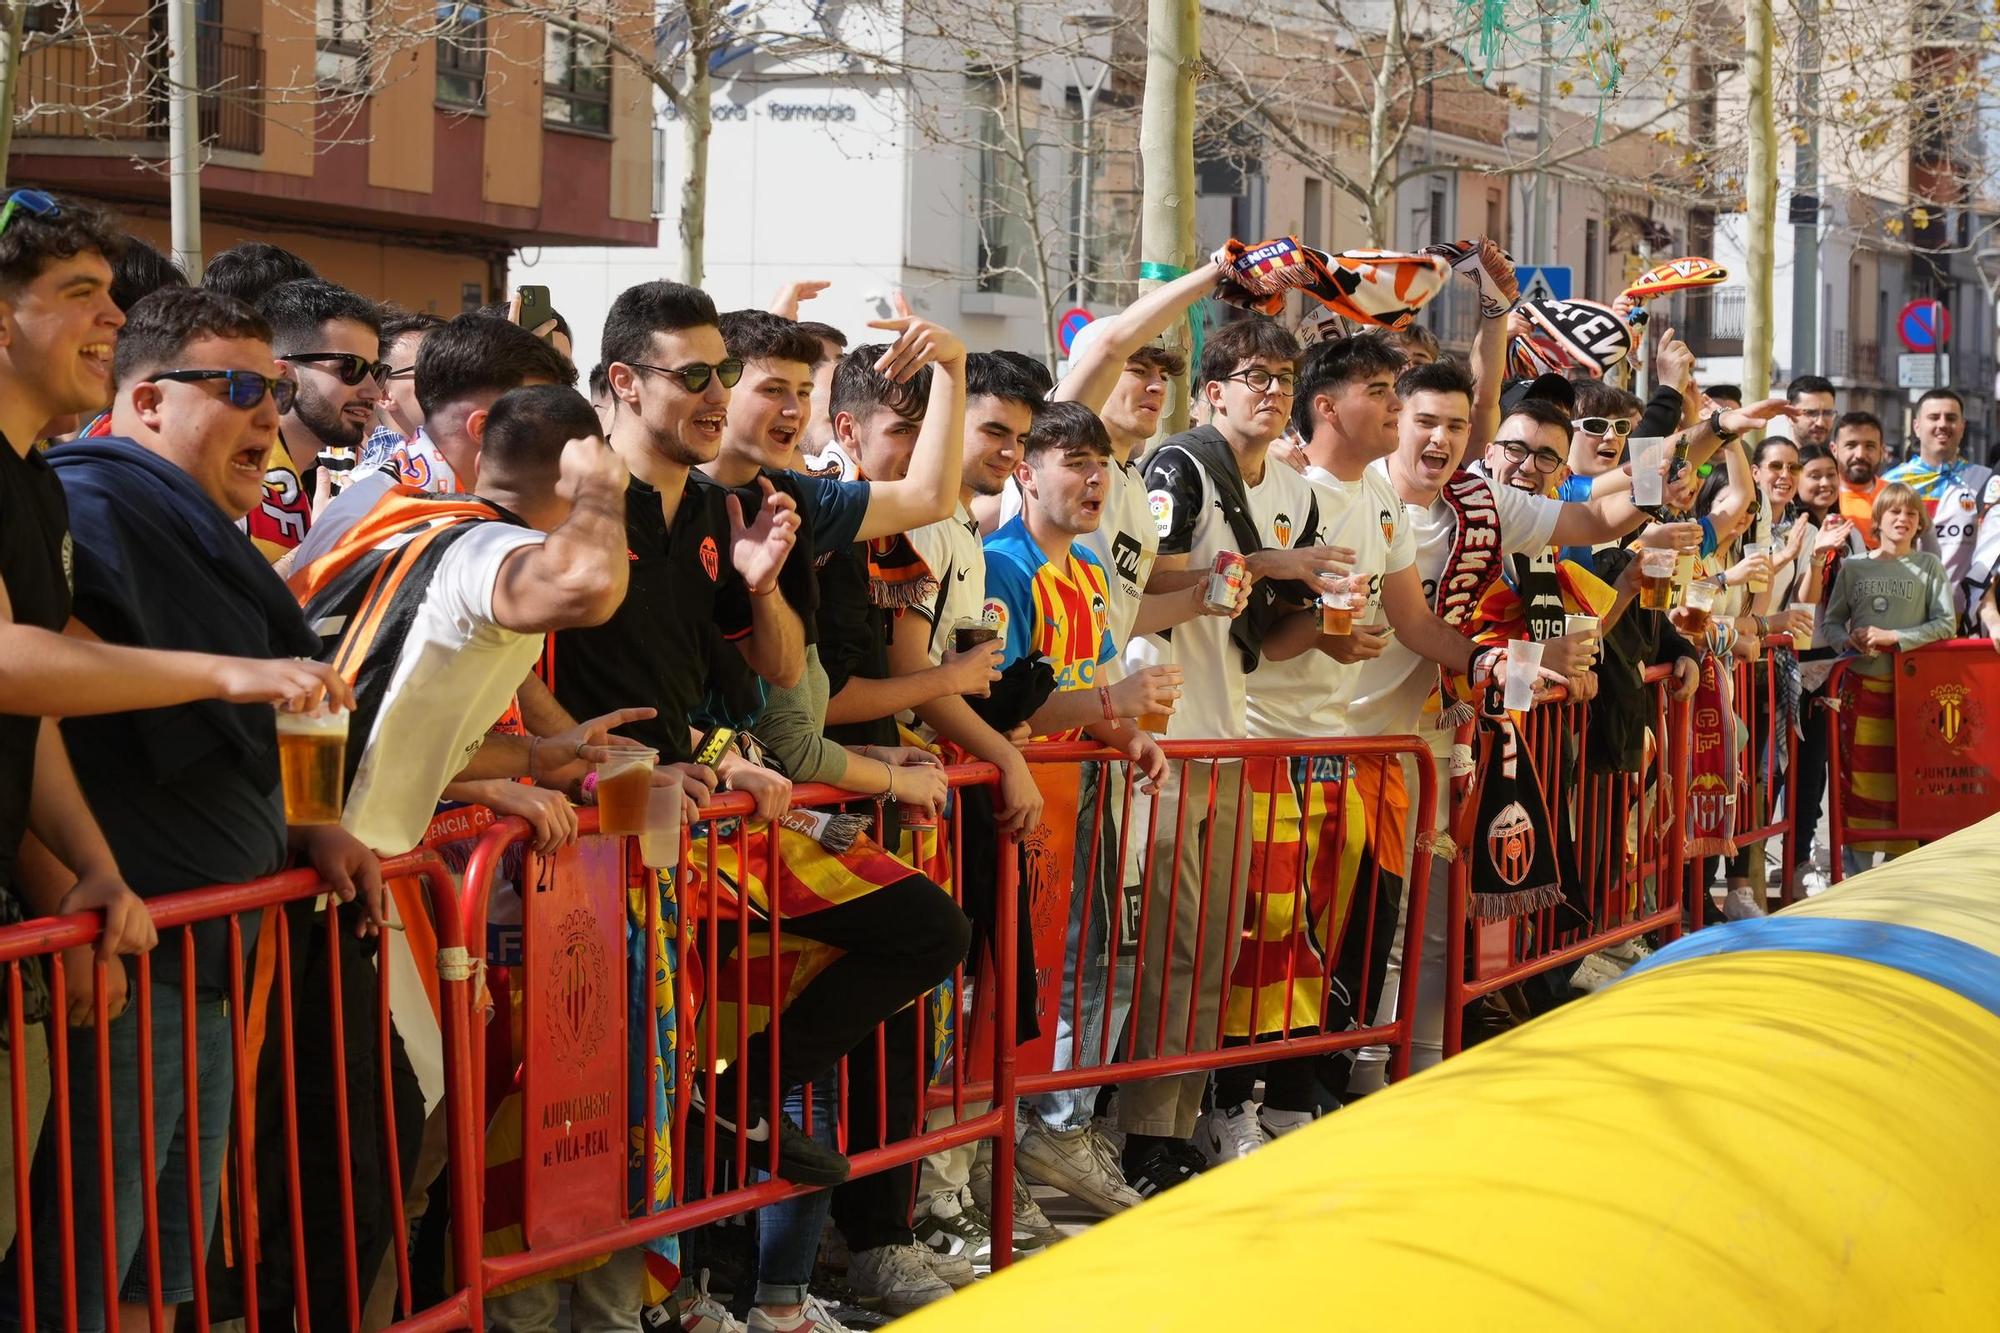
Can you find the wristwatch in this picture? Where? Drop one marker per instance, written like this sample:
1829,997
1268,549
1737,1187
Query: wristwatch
1715,426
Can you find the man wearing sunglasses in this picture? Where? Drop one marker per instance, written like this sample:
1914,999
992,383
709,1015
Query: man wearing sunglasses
328,338
187,795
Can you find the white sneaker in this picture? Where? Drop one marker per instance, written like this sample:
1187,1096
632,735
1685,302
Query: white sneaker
1079,1164
1596,972
1742,904
896,1278
813,1317
702,1313
1224,1136
1032,1228
1277,1124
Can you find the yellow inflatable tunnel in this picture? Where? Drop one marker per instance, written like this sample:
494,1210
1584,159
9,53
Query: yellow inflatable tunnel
1775,1125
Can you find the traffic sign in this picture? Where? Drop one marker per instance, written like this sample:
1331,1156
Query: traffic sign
1924,326
1921,370
1071,324
1543,282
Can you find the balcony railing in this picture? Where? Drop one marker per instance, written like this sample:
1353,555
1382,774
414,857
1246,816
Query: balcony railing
1853,359
101,82
1715,321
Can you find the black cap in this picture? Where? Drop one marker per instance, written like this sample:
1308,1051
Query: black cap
1551,388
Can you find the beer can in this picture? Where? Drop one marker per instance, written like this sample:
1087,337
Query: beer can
915,816
1227,578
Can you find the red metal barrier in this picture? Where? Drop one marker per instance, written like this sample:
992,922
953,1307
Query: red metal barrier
1945,751
261,1019
1626,831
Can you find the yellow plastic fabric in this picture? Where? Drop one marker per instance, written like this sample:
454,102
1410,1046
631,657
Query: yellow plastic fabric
1766,1141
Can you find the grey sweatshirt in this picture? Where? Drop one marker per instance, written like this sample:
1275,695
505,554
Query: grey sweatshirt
1906,593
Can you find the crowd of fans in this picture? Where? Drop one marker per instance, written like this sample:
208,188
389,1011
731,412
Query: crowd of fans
264,489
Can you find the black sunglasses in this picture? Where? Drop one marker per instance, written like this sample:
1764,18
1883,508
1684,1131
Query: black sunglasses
1544,461
694,378
242,388
353,367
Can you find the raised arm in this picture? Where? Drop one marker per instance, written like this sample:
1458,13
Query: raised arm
1094,375
577,575
930,490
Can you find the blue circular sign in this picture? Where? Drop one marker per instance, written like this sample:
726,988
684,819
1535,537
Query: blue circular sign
1923,326
1070,325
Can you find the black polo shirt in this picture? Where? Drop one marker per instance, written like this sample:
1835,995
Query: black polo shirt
35,560
653,652
853,639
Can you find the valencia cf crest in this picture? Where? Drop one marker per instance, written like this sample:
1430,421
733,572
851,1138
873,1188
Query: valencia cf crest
1510,844
711,563
1388,522
1282,527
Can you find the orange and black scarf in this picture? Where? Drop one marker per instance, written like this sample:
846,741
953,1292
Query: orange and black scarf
363,596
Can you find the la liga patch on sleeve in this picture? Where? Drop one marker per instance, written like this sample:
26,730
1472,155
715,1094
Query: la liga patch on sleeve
1162,505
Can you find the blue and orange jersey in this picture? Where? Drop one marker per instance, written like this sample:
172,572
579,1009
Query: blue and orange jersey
1059,612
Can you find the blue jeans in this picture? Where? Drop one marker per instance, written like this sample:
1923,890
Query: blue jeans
788,1232
1094,897
214,1074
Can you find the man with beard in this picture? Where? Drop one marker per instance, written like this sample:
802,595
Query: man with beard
1858,448
1811,400
330,338
1956,490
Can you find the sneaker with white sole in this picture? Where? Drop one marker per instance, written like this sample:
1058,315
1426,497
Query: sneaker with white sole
1225,1135
699,1312
1158,1167
1596,972
1032,1228
949,1227
954,1270
1277,1124
1742,904
813,1317
1077,1162
896,1278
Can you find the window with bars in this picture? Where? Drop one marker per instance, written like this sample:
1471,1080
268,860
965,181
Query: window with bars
340,33
461,54
576,80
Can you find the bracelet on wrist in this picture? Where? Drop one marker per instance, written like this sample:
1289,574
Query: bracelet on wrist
1104,701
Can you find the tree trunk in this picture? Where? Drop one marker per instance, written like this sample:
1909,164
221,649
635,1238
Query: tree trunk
1383,146
10,77
1761,200
1166,157
696,123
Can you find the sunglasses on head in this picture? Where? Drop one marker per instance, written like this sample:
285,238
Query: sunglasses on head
28,201
694,377
241,388
351,367
1604,425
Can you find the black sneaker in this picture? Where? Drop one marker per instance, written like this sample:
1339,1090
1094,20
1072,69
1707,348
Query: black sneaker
1159,1166
802,1160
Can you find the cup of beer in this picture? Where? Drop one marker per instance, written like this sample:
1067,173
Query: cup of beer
1699,601
660,838
312,757
1768,550
968,634
624,788
1802,639
1656,577
1337,607
1577,623
1524,664
1648,480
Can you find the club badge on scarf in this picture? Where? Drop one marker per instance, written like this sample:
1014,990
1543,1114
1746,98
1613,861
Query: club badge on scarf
1712,768
1560,335
1677,275
1487,267
1384,288
1514,868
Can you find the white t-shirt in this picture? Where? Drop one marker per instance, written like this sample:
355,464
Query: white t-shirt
1189,520
1126,543
1390,696
1307,696
453,679
951,549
